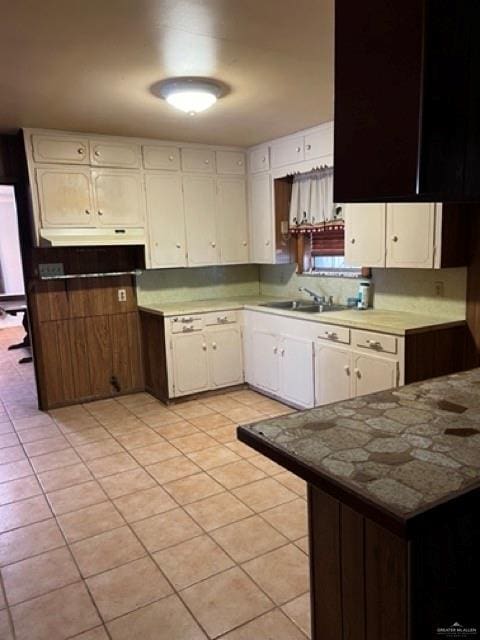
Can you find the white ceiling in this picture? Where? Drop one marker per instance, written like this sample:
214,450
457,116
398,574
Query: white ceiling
87,65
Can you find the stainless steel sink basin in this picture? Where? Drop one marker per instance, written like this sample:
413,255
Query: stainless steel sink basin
304,306
321,308
286,304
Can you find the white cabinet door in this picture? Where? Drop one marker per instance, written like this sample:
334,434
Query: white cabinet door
231,162
264,360
261,219
365,235
225,356
199,194
161,157
373,373
65,197
259,159
232,224
166,221
198,160
111,153
296,371
287,152
62,149
190,363
333,374
410,235
319,143
119,198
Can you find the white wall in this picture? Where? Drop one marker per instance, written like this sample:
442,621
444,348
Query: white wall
11,275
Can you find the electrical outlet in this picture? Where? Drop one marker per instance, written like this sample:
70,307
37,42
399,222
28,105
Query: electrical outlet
122,295
439,289
49,269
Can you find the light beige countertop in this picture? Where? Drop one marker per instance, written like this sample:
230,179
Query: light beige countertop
394,322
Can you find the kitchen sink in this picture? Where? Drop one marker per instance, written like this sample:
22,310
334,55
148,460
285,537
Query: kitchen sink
321,308
286,304
304,306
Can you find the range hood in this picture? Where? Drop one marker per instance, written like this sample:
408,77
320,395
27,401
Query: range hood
90,237
407,101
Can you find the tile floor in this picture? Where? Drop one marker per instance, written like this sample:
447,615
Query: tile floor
125,519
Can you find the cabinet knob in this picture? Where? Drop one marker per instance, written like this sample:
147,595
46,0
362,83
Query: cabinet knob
352,241
178,245
240,163
170,158
298,149
204,346
357,372
267,243
87,212
244,243
214,345
282,352
264,159
308,147
96,154
347,369
394,238
207,161
100,213
80,151
275,350
214,244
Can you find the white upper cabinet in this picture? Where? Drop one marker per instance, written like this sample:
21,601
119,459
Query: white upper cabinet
410,235
365,235
65,197
319,143
259,159
261,218
166,221
119,199
232,224
287,152
60,149
225,356
161,157
198,160
112,153
230,162
199,194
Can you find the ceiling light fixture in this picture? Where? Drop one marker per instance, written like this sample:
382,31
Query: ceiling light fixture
191,95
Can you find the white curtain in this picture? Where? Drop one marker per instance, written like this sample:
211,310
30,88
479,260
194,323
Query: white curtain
312,198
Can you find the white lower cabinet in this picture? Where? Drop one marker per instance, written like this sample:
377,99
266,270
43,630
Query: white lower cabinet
373,373
296,371
264,361
225,356
333,373
190,363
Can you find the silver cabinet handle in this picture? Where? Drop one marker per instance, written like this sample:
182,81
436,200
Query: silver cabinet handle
222,319
374,344
331,335
187,319
187,328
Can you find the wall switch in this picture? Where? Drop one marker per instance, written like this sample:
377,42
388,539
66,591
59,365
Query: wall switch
49,269
439,289
122,295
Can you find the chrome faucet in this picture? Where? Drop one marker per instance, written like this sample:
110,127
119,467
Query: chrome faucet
318,299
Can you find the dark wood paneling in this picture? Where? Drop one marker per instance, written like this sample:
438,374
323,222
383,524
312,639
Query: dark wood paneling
455,235
126,356
80,357
353,572
285,245
100,358
154,356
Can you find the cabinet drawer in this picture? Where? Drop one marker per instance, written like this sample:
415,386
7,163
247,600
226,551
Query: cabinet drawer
220,317
160,157
374,341
186,324
61,149
259,160
287,152
231,162
199,160
333,333
114,154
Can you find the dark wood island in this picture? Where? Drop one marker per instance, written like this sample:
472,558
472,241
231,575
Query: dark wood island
394,508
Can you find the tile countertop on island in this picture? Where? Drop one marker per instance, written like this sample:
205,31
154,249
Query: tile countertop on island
398,453
393,322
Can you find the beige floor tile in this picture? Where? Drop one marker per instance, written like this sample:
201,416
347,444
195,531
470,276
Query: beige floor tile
28,541
218,511
192,410
121,484
225,601
248,538
106,551
64,477
236,474
19,489
178,430
76,497
173,469
126,588
264,494
90,521
268,406
298,610
54,460
267,466
303,544
211,421
247,397
160,419
273,625
56,615
35,576
291,518
15,470
109,465
48,445
155,453
220,403
196,442
99,633
143,437
6,632
166,529
192,561
126,425
143,504
192,488
39,433
32,422
167,619
21,514
224,434
94,450
283,573
76,425
293,482
241,449
243,415
11,454
149,408
213,457
86,436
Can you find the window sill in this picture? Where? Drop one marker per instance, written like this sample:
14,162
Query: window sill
351,275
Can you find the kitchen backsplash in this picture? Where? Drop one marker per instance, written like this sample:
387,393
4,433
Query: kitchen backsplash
203,283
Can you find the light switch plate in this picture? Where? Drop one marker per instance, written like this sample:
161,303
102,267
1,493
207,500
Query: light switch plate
49,269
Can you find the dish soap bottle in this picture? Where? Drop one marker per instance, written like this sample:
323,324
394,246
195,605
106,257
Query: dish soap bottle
363,295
